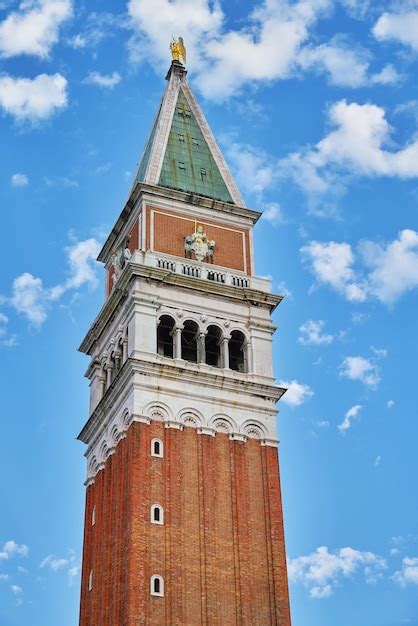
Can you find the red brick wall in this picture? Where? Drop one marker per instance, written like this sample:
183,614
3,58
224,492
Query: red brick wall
170,229
221,549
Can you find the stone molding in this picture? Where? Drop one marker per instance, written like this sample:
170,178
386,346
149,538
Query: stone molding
117,430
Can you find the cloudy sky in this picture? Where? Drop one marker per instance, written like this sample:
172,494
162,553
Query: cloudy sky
315,105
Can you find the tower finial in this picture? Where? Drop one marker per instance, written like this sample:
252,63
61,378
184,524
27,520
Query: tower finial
178,50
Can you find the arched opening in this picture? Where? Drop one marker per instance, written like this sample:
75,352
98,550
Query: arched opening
189,341
237,357
157,514
165,339
213,346
157,585
157,448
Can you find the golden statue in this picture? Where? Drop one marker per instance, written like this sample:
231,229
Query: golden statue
178,50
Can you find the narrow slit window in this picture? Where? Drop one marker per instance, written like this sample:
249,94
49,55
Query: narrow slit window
157,514
157,586
181,138
93,516
182,166
157,448
91,580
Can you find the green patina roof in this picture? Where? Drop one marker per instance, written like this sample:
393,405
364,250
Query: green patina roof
188,163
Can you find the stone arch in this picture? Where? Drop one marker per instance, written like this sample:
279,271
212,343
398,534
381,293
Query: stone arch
222,423
93,466
191,417
125,419
165,335
158,411
114,436
254,429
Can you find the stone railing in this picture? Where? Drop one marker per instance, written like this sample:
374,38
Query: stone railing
204,271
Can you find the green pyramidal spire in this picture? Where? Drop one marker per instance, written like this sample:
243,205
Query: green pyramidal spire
181,152
188,163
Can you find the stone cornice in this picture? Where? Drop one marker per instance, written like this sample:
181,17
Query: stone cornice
152,192
133,270
213,378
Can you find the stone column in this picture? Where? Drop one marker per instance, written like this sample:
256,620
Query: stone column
247,356
225,352
102,385
124,350
201,348
177,342
109,374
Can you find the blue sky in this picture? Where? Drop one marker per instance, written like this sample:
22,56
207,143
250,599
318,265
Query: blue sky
315,105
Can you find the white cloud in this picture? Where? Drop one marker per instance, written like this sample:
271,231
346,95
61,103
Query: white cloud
31,298
253,168
270,44
284,290
401,27
377,461
360,368
296,394
102,169
269,41
356,8
387,76
393,267
311,333
331,263
27,298
108,81
61,182
345,64
11,549
82,269
390,270
81,258
273,213
356,145
34,28
322,424
353,412
155,23
323,571
33,99
54,563
273,40
380,353
6,340
16,589
359,318
408,575
390,404
73,572
96,28
4,577
19,180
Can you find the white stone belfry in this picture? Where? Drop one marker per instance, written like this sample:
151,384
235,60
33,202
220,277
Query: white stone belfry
182,338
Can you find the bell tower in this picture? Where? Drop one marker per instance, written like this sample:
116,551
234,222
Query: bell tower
183,519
